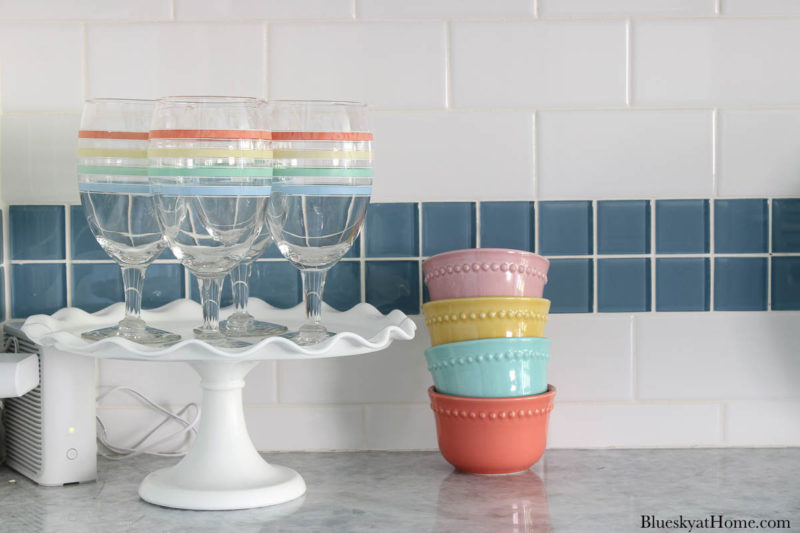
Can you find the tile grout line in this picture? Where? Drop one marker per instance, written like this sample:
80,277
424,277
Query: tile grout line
628,63
68,252
634,338
769,256
714,152
353,9
536,238
595,262
477,224
6,263
448,76
420,252
536,9
535,155
653,295
711,256
266,60
84,61
362,263
717,7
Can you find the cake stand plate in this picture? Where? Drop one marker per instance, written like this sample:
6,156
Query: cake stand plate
222,470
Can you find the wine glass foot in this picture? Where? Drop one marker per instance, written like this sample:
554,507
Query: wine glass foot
303,338
218,339
253,328
146,335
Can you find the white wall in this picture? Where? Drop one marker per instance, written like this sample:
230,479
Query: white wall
691,98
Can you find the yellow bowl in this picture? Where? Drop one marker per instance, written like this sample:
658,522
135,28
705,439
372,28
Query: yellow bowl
466,319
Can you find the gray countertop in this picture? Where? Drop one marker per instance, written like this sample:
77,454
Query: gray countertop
568,490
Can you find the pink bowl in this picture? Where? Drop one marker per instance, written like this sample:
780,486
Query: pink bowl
478,272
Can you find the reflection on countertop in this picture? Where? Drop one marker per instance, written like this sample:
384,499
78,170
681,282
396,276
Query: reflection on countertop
568,490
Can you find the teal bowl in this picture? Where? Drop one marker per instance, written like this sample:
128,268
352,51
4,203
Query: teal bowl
490,368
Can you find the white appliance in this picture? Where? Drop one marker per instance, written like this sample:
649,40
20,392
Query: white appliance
50,431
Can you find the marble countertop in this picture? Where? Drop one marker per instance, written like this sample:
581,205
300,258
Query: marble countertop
568,490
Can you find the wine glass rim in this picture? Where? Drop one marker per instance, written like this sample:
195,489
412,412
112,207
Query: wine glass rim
319,102
211,99
119,100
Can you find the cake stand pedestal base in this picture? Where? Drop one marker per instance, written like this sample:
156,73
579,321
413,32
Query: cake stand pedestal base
222,470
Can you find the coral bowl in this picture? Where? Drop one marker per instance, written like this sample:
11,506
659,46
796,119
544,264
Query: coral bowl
490,368
466,319
492,435
478,272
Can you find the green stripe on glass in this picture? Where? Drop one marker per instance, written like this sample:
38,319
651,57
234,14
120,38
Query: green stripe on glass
112,171
211,172
325,172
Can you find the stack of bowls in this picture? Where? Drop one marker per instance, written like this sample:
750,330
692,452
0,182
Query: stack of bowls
489,357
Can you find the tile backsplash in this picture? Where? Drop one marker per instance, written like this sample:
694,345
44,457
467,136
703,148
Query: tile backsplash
649,149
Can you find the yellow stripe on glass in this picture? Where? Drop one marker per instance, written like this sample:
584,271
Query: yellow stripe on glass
322,154
112,152
208,152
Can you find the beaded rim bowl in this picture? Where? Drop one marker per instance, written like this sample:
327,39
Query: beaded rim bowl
465,319
492,435
490,368
476,272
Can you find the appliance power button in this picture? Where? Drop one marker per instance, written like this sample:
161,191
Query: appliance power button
72,453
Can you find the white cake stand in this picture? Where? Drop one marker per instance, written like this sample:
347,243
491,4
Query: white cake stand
222,470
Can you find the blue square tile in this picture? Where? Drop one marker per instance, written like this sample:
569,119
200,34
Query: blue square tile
785,283
786,225
163,283
682,284
623,285
623,227
392,230
276,282
393,285
682,226
507,225
740,284
1,237
226,296
36,231
740,226
565,228
38,289
570,285
343,285
447,226
84,245
95,286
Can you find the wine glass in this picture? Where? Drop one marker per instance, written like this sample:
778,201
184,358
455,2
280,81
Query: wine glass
210,169
241,323
320,192
117,201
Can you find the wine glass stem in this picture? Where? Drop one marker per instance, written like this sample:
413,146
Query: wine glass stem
209,299
241,292
132,281
313,285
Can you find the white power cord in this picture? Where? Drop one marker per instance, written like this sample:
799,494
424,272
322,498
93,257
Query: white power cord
121,452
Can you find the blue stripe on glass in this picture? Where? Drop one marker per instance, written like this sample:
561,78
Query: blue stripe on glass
135,188
224,190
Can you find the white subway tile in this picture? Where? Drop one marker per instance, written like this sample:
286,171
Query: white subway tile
306,428
595,364
624,154
538,64
384,63
263,9
715,62
84,9
38,157
152,60
126,426
634,425
168,384
718,355
397,374
452,156
41,65
401,427
587,8
760,7
762,423
759,153
443,8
